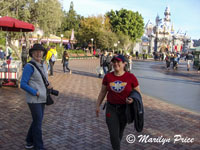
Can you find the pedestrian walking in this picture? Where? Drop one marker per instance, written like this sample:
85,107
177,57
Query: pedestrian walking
167,59
103,62
2,54
137,55
189,58
51,57
35,88
9,52
108,61
128,60
65,62
117,85
175,62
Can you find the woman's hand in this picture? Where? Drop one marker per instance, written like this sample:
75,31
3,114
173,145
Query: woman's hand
129,100
97,111
37,94
50,86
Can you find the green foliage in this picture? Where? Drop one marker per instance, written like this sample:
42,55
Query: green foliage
71,20
107,40
97,28
76,51
48,15
2,38
127,22
124,25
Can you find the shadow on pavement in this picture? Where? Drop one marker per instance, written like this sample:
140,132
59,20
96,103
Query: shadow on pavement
85,73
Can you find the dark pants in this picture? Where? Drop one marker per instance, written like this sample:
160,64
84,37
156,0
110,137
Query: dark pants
34,135
116,122
168,64
109,67
65,65
105,69
51,63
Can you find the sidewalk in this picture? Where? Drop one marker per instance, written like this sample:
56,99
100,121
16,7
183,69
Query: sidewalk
71,124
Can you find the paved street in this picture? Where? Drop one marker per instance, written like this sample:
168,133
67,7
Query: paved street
178,87
70,124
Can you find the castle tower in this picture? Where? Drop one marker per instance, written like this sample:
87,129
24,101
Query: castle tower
157,20
167,15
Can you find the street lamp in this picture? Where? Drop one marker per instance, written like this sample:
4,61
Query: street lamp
115,45
118,42
39,34
61,42
92,44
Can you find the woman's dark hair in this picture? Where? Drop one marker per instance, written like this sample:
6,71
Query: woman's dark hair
65,53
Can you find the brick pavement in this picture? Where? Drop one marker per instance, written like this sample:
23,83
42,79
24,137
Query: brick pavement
70,124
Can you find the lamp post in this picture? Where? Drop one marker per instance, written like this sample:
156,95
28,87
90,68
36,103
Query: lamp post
39,35
115,45
118,42
92,44
61,42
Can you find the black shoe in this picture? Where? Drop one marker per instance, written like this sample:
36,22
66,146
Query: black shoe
29,146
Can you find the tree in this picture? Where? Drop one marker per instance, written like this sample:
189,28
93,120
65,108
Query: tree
48,15
126,22
45,13
97,28
107,39
71,19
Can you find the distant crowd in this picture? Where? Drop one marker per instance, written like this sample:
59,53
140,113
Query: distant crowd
173,59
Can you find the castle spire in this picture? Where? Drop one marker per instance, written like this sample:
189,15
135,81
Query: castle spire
167,14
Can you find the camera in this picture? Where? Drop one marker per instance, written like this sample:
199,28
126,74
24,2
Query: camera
53,92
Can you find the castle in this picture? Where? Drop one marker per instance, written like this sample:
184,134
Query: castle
161,36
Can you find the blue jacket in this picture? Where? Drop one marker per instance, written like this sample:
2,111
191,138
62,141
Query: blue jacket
135,111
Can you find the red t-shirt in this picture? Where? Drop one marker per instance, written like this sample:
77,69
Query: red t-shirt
119,87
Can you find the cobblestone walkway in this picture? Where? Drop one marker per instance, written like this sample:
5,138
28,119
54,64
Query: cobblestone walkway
71,124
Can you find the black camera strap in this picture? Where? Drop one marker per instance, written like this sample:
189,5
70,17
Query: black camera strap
46,83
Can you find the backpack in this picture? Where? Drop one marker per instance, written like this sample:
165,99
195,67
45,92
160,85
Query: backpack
53,58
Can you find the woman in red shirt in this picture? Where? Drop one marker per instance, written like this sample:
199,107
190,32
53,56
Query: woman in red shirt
117,86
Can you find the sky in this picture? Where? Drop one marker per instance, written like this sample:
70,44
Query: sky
185,14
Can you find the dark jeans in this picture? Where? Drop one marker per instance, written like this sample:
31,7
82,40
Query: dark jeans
51,63
65,65
116,122
105,69
168,64
34,135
